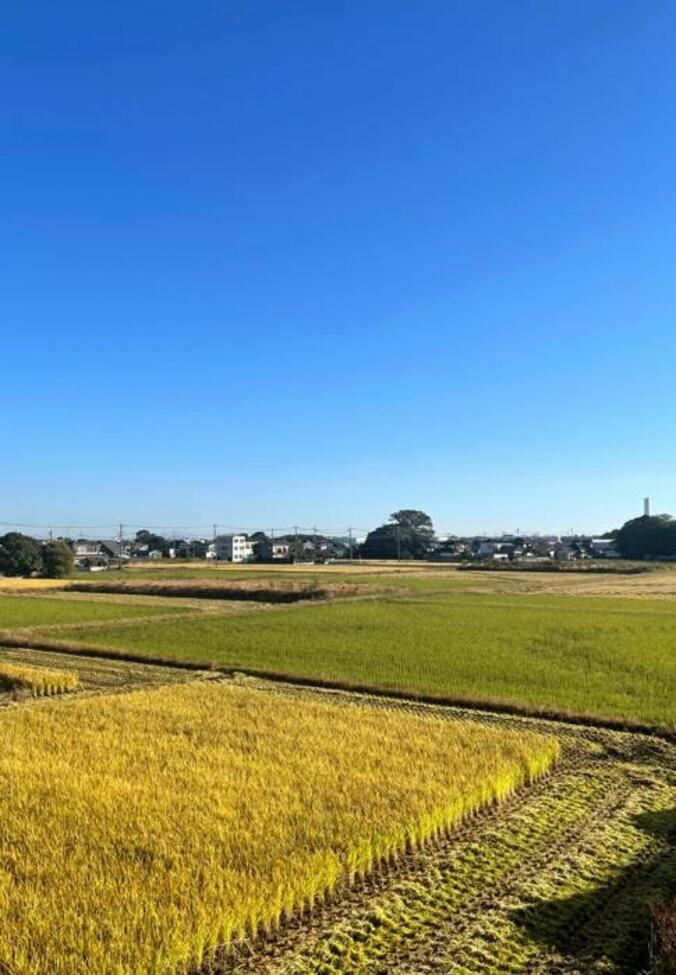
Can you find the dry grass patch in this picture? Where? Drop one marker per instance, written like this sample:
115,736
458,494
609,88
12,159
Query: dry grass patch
137,832
13,584
341,567
656,584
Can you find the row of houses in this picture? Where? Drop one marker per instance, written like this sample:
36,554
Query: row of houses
261,548
242,548
97,555
508,548
239,548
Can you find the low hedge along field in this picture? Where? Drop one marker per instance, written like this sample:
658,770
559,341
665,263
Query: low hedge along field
612,658
139,831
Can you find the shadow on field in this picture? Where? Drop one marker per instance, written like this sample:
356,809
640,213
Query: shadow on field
609,926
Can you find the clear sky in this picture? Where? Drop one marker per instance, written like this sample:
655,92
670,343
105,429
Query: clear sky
274,262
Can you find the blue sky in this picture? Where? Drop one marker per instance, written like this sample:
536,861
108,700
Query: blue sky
266,263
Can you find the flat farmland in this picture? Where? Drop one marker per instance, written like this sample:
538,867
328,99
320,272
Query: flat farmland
611,658
140,831
163,820
635,580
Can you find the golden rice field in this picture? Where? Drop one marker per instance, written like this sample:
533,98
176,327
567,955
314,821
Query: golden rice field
40,681
139,831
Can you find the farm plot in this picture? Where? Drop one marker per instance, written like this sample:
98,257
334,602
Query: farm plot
557,881
138,831
29,611
602,658
423,577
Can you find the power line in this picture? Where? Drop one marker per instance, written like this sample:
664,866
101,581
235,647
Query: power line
212,529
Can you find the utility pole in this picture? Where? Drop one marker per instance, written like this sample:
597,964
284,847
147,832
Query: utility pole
398,544
295,542
349,535
119,566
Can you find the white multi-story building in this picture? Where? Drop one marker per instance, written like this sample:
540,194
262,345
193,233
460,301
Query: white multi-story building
233,548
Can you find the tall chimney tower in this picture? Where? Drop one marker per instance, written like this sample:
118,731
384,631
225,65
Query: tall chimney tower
646,507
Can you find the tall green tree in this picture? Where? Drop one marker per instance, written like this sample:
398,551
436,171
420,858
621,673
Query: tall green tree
197,549
261,544
19,555
409,534
57,560
154,542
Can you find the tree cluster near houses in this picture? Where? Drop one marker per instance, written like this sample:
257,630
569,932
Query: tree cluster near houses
21,555
647,537
409,534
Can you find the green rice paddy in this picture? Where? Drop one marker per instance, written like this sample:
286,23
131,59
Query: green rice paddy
24,611
614,658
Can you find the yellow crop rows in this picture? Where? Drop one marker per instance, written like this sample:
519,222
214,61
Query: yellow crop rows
40,681
139,831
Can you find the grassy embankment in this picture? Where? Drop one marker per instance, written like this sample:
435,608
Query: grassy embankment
141,830
597,657
273,590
